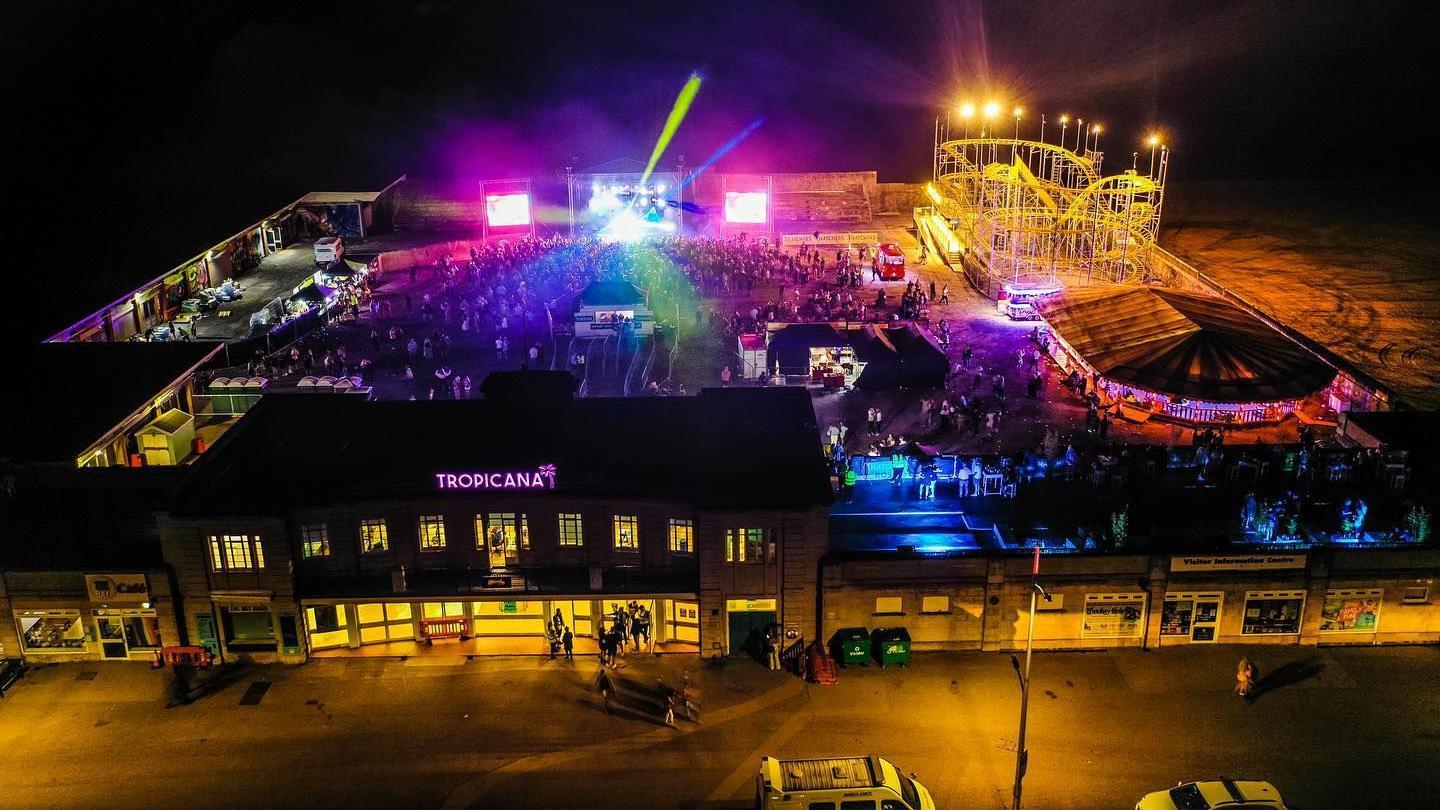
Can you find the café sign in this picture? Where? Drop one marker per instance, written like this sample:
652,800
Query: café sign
1238,562
116,588
542,477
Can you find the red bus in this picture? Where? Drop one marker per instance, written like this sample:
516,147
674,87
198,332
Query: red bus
892,262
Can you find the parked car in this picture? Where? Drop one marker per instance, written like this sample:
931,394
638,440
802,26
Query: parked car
1218,794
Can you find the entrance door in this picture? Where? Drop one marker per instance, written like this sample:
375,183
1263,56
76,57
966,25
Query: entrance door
205,630
747,632
274,240
112,637
1207,620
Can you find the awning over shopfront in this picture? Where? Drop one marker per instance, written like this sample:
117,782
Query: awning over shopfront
1181,344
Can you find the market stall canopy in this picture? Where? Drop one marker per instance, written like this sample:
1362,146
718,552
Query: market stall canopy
1182,344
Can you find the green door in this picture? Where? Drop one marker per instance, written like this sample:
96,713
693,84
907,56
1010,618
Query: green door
205,629
747,632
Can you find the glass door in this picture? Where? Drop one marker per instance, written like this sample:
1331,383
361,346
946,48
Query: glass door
1206,621
112,637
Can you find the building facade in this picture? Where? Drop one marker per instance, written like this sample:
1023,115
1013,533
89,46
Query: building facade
1322,596
463,531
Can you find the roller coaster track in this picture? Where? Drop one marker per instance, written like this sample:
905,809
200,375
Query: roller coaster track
1066,221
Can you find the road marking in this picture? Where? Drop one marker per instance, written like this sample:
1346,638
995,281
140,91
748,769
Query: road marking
748,767
470,793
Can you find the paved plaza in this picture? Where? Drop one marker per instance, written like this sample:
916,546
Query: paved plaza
1333,728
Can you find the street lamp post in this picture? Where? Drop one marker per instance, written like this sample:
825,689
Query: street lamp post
1022,756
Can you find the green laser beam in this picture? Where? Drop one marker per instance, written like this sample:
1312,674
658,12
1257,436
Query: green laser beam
672,122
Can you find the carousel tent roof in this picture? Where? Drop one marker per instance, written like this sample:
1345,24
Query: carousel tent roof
1182,344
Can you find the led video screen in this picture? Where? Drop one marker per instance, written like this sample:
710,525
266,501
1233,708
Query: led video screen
747,207
505,210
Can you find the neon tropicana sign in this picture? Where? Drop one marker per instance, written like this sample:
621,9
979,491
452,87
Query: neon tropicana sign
542,477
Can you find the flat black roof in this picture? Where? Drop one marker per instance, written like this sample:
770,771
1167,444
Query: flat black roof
69,519
740,448
72,394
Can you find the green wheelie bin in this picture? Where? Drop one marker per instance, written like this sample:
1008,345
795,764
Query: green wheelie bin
852,646
891,645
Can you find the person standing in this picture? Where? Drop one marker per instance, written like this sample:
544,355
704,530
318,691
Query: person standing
568,639
1245,678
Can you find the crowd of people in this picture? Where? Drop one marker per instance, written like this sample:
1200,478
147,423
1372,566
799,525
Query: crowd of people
507,296
629,628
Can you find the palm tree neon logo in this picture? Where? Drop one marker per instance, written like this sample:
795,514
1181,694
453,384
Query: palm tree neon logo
543,477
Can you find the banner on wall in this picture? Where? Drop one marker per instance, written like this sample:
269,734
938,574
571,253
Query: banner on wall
830,238
1113,615
1350,612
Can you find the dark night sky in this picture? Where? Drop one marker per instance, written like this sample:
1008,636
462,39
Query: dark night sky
148,130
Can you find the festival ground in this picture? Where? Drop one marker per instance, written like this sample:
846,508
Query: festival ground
694,358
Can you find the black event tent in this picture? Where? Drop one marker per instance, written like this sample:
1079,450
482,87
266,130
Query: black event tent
896,356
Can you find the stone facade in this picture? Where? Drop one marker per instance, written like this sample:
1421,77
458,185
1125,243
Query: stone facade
1372,596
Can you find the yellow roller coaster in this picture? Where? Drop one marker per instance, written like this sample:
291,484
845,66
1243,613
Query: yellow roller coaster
1030,212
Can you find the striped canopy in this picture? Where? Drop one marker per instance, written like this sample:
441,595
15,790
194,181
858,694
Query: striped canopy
1182,344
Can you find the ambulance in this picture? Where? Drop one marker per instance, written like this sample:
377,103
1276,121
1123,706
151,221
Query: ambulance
853,783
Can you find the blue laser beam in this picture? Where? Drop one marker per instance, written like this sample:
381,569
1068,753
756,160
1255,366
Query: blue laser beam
723,150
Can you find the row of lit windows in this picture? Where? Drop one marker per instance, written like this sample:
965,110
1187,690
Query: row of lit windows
236,552
504,530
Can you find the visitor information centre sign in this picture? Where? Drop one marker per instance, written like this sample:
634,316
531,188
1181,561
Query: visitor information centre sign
1241,562
542,477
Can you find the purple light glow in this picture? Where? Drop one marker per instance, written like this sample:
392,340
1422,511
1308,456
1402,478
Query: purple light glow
542,477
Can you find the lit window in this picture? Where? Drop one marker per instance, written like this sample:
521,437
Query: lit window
934,604
314,541
572,533
888,604
432,532
627,532
374,536
502,531
682,536
236,552
744,545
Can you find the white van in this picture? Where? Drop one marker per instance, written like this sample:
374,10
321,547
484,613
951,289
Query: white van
840,783
329,249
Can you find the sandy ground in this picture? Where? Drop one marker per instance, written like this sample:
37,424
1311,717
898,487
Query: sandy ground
1355,270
